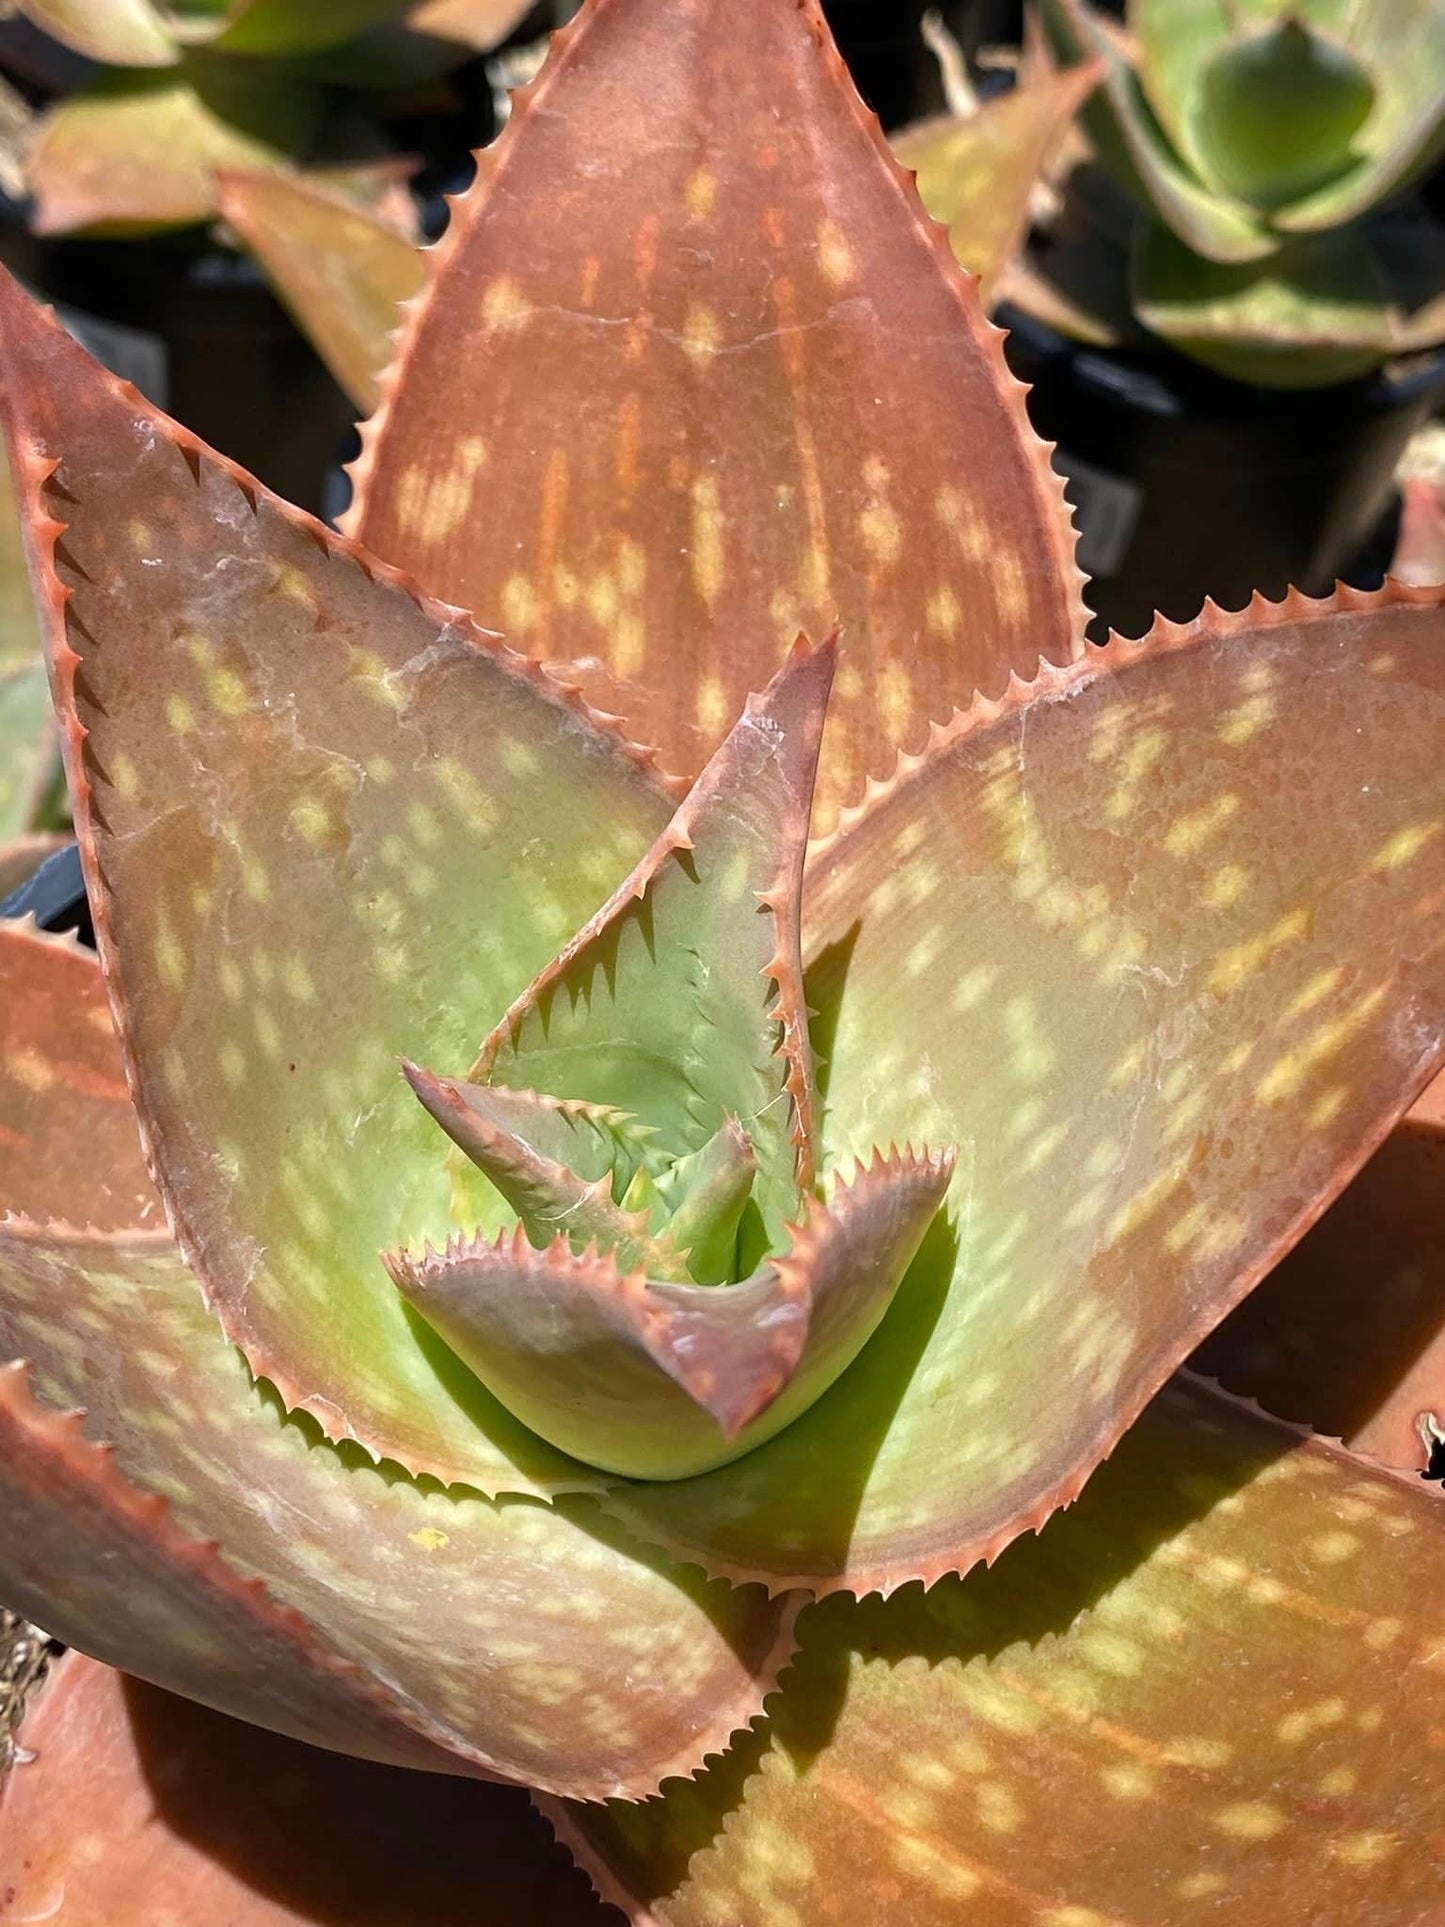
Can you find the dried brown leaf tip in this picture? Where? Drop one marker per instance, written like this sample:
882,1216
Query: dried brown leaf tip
734,388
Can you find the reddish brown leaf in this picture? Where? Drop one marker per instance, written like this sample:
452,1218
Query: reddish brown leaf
1210,1695
22,856
69,1147
1348,1334
326,824
723,380
190,1546
659,1380
342,270
130,1800
1157,943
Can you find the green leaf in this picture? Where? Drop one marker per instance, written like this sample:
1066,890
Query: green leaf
1278,112
1316,312
658,1380
386,1619
136,150
326,825
124,33
1155,944
68,1142
978,175
276,27
1209,1692
730,386
342,272
1133,146
29,752
703,1197
680,1002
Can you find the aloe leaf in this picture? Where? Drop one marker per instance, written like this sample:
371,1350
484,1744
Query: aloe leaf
275,27
22,856
1132,144
1348,1334
1154,944
553,1191
68,1142
1174,40
977,175
124,33
704,1195
29,751
1278,112
658,1380
138,149
232,1824
681,1000
478,24
326,825
1209,1689
1317,311
728,386
341,270
230,1556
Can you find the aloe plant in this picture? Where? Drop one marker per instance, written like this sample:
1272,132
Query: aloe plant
617,1251
189,86
1269,148
31,806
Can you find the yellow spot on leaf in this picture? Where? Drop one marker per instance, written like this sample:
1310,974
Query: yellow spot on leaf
430,1538
505,308
835,257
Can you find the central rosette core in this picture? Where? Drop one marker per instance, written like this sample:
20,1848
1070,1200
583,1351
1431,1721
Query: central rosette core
676,1290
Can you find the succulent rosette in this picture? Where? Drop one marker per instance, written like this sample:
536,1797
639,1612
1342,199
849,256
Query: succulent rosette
626,1269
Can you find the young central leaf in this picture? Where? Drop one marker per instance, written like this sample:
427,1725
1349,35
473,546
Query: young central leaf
680,1002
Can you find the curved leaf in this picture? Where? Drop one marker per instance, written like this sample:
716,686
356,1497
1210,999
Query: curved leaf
478,24
326,825
1210,1693
681,1001
1348,1334
128,1794
977,175
138,149
69,1147
1157,945
342,272
412,1646
657,1380
723,382
124,33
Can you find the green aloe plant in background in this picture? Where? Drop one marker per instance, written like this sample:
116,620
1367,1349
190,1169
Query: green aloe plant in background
1270,148
184,87
629,1269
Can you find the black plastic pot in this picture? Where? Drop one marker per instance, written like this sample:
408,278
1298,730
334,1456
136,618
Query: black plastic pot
198,331
1187,485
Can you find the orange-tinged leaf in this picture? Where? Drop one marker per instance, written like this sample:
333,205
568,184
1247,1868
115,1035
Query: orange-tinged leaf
479,24
22,856
977,174
656,1379
1348,1334
138,148
341,270
128,1797
69,1147
724,380
386,1619
1210,1693
1157,943
326,824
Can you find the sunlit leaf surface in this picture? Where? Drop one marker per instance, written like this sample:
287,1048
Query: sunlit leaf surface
727,384
132,1794
521,1639
1158,948
328,826
1210,1693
